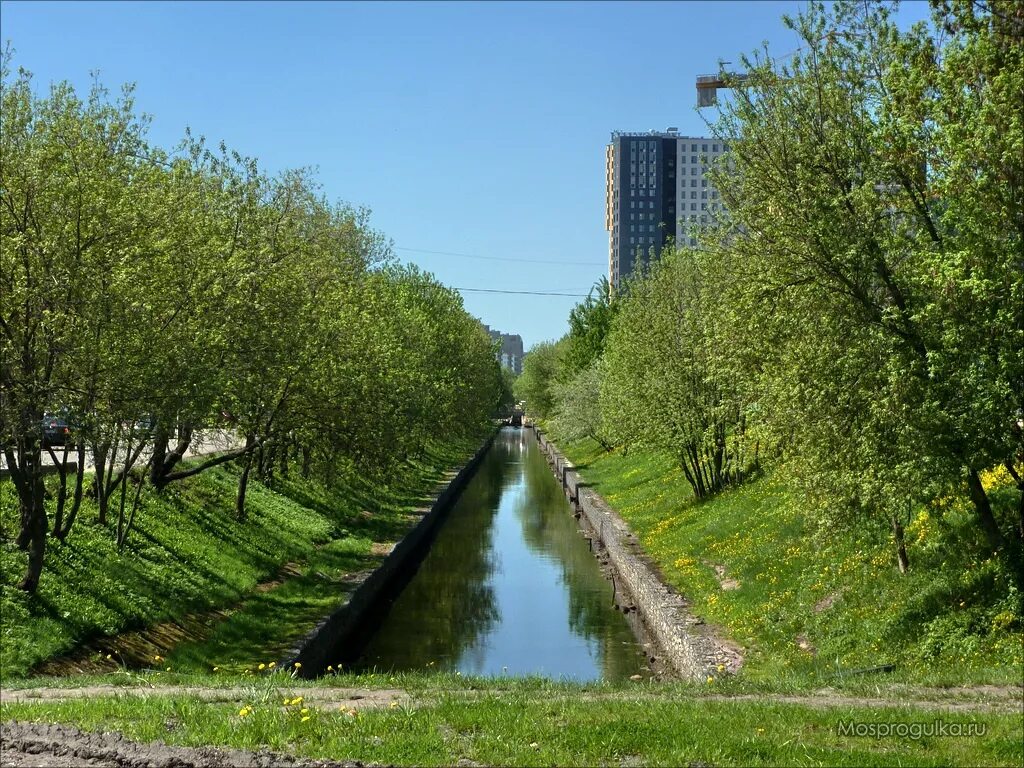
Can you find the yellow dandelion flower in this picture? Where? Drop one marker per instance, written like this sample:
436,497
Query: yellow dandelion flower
168,669
304,711
158,657
330,668
711,679
271,665
304,719
297,700
298,665
393,704
216,669
109,657
721,667
262,666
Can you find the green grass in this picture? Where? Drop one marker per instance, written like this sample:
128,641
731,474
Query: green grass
953,620
553,725
188,555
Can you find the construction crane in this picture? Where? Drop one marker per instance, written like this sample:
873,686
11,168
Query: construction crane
708,85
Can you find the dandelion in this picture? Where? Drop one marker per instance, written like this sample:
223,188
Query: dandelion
287,702
304,711
109,657
393,704
330,667
304,719
216,669
296,700
721,667
168,669
298,665
262,666
711,679
245,711
271,665
158,657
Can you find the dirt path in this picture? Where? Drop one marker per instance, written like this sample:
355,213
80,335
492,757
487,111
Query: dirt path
326,698
41,745
1006,699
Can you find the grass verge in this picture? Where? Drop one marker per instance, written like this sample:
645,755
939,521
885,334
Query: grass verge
812,607
552,725
188,555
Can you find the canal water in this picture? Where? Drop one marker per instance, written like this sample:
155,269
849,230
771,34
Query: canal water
509,586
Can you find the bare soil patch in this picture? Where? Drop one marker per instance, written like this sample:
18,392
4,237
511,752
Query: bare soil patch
42,745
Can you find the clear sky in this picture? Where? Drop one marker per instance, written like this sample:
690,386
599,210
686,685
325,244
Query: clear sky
467,127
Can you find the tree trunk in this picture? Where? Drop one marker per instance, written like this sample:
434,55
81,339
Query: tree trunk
306,460
243,484
62,488
36,529
99,483
16,466
283,464
76,500
901,546
984,510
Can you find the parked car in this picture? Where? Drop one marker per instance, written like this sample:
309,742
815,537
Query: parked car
56,430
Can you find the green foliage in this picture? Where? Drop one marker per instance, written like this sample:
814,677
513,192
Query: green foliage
191,289
661,389
868,274
954,619
542,371
589,324
579,412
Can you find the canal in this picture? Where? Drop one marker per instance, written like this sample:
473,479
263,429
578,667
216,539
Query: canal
509,585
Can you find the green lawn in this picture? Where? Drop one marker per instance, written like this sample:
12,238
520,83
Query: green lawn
550,725
188,556
953,620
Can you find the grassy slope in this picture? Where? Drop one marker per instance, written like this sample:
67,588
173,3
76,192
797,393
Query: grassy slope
954,619
188,554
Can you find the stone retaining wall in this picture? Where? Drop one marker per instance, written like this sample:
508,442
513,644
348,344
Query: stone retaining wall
345,628
690,648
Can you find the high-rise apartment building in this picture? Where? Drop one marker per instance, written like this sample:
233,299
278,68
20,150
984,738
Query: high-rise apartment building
511,353
656,190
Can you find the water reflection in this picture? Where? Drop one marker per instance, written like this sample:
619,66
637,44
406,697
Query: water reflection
509,586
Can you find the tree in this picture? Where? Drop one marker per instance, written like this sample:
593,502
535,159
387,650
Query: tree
538,384
579,412
589,323
875,241
661,390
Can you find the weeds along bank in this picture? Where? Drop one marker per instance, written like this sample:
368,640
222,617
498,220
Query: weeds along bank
272,575
813,607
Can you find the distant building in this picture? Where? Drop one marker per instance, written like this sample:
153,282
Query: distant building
511,353
656,190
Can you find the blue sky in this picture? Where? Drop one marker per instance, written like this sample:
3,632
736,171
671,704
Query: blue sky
468,128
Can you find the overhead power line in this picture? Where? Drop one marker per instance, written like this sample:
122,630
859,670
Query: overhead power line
503,258
523,293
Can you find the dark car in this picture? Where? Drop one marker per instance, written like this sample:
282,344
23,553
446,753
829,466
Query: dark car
56,430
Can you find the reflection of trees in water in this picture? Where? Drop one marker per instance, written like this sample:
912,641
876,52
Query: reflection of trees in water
549,528
449,604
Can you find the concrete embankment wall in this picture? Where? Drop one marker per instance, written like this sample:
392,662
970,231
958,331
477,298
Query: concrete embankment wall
689,648
342,633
